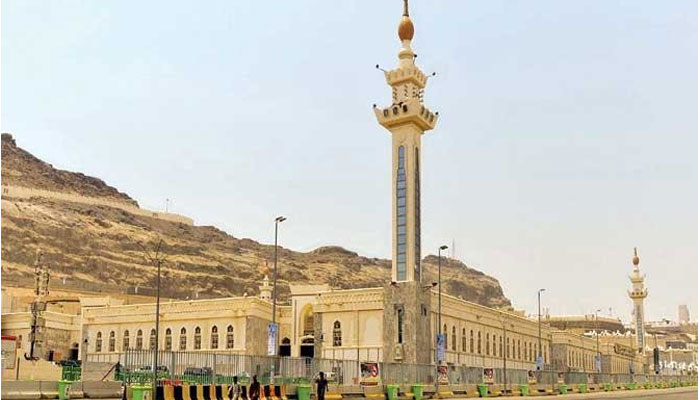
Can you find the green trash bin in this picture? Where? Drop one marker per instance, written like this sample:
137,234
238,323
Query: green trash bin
607,387
524,390
582,388
563,389
417,392
64,389
483,390
392,392
631,386
141,392
304,392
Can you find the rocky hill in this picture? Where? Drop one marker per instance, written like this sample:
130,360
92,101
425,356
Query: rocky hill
94,247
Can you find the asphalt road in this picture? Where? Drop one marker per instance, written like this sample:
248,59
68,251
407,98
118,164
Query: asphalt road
686,393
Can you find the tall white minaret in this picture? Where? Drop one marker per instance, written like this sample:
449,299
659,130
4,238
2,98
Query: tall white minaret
407,118
638,294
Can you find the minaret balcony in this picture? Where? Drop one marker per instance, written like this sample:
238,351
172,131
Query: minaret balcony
638,294
406,113
412,74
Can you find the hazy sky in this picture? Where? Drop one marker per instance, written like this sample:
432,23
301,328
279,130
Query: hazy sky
568,130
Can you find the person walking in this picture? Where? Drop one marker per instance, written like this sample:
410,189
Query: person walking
321,386
234,391
255,389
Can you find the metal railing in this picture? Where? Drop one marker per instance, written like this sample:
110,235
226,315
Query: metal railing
210,367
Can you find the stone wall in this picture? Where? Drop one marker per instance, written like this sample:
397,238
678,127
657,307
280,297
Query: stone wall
26,193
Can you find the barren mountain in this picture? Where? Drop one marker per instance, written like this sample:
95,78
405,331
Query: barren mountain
98,247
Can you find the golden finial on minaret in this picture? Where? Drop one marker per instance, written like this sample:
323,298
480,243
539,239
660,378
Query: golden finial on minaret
635,259
406,25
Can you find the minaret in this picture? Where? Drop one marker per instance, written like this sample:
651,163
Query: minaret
638,294
406,119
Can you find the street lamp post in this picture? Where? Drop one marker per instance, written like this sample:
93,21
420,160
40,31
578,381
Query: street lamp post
439,324
597,342
505,349
156,259
539,329
278,220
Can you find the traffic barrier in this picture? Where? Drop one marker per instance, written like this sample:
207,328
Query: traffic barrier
194,393
169,392
177,393
160,393
244,392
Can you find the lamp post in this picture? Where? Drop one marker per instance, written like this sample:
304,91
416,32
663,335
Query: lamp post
505,349
597,342
540,362
278,220
439,324
156,259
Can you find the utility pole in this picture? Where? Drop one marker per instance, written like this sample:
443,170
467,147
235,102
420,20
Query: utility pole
41,290
505,350
156,258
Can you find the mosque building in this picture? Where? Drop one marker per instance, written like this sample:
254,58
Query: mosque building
396,322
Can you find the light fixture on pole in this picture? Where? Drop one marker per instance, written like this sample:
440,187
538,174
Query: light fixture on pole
597,342
440,340
540,361
272,331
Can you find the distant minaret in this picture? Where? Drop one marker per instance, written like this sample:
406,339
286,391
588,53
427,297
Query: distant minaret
638,294
407,118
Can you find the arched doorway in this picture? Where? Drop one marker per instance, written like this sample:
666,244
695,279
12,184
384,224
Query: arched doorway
307,347
73,352
285,348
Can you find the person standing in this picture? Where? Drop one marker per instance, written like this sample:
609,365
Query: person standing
255,389
234,391
321,386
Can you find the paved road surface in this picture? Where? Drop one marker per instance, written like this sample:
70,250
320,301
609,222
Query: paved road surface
688,393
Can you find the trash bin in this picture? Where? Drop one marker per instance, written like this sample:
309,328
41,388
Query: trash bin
607,387
483,390
524,390
141,392
631,386
582,388
563,389
392,392
304,392
417,392
64,389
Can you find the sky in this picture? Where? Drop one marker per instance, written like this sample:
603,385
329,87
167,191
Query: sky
567,132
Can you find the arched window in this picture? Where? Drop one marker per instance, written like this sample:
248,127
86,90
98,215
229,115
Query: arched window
399,323
19,342
478,342
454,338
488,344
444,332
168,339
471,340
513,348
229,337
214,337
112,341
125,340
98,343
309,324
508,348
337,334
152,340
183,339
139,340
197,338
494,344
464,340
500,346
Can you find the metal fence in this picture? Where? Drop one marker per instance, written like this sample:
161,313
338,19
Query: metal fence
207,367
